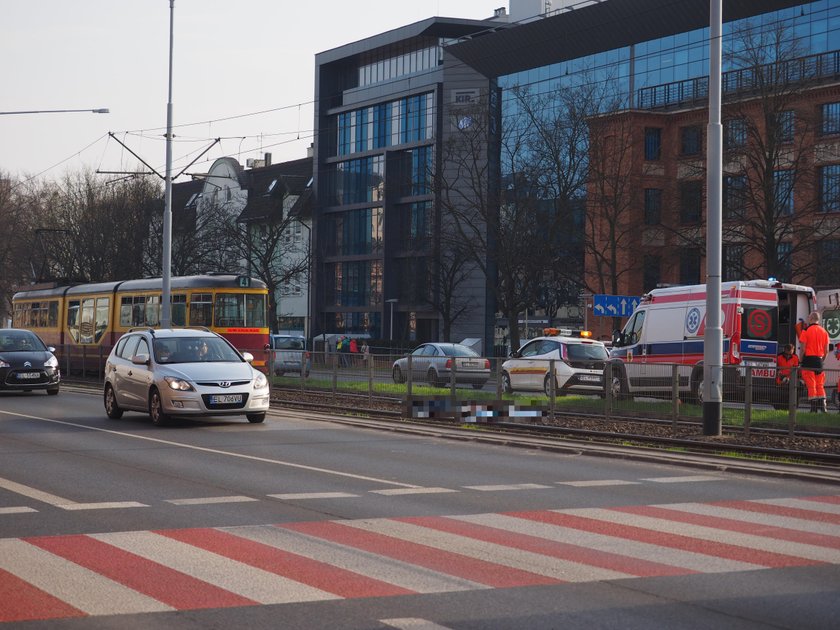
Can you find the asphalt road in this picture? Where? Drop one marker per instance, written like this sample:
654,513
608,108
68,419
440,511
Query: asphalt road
300,523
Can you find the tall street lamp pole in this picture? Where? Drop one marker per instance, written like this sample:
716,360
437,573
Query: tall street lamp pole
165,298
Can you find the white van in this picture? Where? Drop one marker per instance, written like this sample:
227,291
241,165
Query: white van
828,304
758,317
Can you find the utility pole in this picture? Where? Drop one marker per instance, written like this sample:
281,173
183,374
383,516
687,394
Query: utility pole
166,270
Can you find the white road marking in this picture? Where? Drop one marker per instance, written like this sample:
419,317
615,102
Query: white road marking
757,518
210,500
82,588
16,510
597,482
214,451
105,505
413,624
33,493
398,491
237,577
513,486
314,495
686,479
803,504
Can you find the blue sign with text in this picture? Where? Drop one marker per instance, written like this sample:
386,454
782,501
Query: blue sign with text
614,305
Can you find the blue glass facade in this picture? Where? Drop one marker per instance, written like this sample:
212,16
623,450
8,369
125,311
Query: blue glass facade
813,27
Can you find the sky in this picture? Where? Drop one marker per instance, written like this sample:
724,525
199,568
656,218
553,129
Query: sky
243,71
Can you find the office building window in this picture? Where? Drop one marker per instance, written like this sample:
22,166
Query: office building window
653,143
690,266
787,125
734,190
783,192
651,272
691,140
735,133
733,262
784,262
830,188
653,206
691,202
828,267
830,119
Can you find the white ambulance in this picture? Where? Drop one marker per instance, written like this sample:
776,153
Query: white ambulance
828,304
758,318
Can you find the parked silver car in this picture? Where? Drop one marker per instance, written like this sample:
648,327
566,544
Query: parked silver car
182,372
434,362
289,354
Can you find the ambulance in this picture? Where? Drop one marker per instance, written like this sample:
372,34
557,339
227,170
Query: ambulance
828,304
758,317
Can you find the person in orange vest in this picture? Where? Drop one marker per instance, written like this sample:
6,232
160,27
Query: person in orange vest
814,340
784,361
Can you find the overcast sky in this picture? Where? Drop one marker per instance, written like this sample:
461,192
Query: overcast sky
231,60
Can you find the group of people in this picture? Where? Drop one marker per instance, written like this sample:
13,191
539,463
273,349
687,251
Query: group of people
814,339
347,348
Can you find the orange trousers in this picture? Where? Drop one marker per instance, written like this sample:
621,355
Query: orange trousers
815,383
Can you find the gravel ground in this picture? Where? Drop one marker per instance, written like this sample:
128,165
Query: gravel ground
612,428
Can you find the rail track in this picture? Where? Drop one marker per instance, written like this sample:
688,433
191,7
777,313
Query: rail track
759,443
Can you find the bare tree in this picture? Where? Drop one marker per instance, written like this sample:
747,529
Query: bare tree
770,124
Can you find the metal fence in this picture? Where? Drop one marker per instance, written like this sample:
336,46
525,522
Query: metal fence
660,391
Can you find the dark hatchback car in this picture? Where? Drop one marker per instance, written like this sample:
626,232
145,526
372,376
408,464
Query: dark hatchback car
26,363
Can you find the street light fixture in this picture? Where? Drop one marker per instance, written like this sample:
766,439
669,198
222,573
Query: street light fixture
392,301
100,110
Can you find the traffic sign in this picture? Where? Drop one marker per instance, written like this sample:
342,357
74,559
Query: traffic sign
614,305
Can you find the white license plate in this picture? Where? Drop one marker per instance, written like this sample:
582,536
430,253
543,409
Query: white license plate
469,364
28,375
590,378
763,372
225,399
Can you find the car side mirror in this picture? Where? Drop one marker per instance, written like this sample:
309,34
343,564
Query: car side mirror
267,346
140,359
248,356
51,348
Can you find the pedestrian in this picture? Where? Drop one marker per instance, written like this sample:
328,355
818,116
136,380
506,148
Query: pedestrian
814,340
343,349
365,352
786,360
354,350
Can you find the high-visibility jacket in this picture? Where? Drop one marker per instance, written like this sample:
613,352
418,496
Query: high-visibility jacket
784,364
814,340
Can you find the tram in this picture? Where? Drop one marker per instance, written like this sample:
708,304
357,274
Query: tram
84,321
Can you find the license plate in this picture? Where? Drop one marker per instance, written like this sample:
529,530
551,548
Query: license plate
225,399
28,375
763,372
469,364
590,378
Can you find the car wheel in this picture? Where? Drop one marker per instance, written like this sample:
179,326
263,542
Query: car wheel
618,385
278,372
397,375
507,388
547,386
156,409
53,391
111,407
432,378
255,418
697,386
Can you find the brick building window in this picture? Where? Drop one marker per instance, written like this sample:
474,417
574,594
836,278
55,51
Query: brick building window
653,206
830,119
830,188
828,269
690,266
653,143
733,262
691,202
691,140
651,272
734,196
735,133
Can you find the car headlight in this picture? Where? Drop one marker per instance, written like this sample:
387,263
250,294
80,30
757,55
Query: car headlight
51,362
3,364
260,382
178,384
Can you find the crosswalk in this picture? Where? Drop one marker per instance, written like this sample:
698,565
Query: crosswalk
52,577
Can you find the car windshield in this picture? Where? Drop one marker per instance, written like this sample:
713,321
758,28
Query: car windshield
20,342
586,351
288,343
458,351
193,350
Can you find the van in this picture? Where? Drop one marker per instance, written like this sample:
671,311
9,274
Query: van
828,305
758,317
289,354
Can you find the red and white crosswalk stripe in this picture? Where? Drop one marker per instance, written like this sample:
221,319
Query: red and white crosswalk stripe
48,577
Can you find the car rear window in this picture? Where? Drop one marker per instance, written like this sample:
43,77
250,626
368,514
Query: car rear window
458,351
288,343
586,351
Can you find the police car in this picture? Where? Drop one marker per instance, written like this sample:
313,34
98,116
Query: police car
577,359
